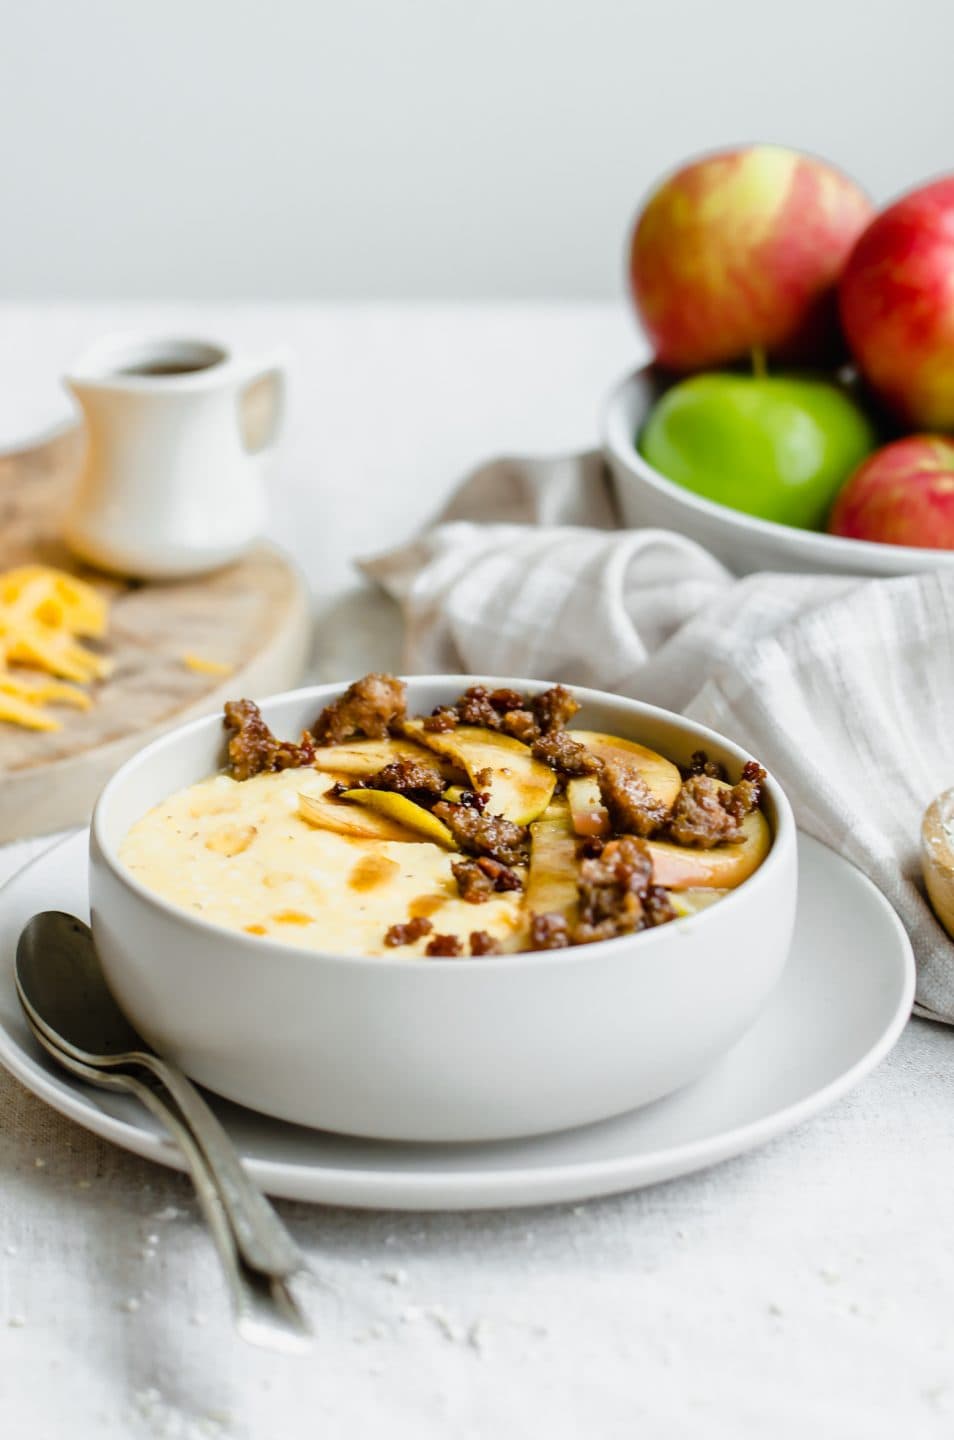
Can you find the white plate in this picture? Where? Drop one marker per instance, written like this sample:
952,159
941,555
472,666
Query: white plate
843,1000
742,542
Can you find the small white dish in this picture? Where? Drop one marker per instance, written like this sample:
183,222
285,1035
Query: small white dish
839,1008
176,429
742,542
441,1049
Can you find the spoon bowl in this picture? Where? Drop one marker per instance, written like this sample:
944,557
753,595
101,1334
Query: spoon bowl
63,990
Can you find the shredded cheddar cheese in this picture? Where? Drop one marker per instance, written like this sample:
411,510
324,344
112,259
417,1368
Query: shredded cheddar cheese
202,666
43,611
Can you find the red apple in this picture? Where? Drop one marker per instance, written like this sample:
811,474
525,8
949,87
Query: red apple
903,494
742,251
897,306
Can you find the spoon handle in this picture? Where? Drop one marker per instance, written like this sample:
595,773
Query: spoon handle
264,1309
262,1240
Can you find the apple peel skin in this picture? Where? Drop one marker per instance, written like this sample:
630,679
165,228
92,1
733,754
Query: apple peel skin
588,814
901,495
678,867
779,447
405,813
896,301
742,251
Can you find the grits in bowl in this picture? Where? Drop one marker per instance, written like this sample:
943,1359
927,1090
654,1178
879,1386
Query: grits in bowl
241,854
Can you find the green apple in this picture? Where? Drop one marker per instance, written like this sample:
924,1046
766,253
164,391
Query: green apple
776,446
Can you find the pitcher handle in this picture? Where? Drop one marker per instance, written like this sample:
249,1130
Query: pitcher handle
260,402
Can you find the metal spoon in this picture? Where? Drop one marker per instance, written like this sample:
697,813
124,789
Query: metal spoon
64,992
264,1309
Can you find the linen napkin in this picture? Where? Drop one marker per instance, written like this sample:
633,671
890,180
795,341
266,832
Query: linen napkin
843,687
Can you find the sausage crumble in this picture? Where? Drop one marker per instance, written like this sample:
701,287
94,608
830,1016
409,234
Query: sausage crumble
706,813
483,944
614,890
554,708
253,748
441,720
617,897
418,780
633,808
700,764
565,755
445,946
370,708
479,834
549,932
407,931
477,880
523,717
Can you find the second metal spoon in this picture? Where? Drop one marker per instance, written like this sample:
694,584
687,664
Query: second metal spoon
64,992
265,1311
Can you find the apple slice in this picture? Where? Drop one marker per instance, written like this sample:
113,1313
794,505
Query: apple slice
361,758
554,872
404,811
657,772
587,811
348,820
680,867
520,787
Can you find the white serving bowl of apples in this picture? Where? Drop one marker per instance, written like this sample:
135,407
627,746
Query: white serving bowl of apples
768,259
744,543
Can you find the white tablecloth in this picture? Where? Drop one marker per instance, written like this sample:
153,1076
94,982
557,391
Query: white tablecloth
803,1289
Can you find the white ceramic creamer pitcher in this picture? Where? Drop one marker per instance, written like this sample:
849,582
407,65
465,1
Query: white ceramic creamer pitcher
176,432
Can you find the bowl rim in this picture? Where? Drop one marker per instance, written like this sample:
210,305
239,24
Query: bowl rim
618,442
782,847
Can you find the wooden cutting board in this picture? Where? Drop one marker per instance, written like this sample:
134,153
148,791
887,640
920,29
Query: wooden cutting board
254,616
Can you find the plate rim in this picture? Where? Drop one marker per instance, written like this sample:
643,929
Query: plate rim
425,1190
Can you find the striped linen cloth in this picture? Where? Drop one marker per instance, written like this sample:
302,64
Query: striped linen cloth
843,687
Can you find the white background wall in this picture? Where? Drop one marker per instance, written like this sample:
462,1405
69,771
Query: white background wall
420,148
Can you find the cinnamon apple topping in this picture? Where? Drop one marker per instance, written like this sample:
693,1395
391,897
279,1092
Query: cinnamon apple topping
575,835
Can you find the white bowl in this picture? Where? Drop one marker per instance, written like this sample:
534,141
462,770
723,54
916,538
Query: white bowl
742,542
412,1049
